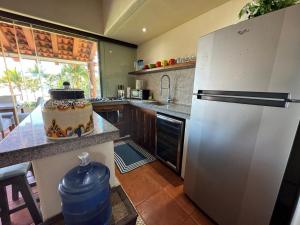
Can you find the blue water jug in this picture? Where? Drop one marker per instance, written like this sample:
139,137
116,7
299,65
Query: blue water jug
85,194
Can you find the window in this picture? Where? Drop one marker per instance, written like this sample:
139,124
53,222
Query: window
33,60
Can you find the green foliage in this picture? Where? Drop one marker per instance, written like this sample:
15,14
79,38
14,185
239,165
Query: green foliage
260,7
35,71
29,105
77,75
13,77
32,84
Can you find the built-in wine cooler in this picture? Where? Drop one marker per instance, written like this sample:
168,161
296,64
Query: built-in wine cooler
169,140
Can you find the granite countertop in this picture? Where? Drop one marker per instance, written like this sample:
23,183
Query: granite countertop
177,110
28,140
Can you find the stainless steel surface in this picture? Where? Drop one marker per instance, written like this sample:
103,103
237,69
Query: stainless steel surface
157,103
171,165
245,97
167,118
136,94
128,92
169,99
237,153
141,94
179,145
294,100
139,84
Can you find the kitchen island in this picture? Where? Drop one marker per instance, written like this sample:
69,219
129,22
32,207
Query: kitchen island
52,159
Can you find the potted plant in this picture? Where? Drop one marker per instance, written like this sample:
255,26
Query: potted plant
260,7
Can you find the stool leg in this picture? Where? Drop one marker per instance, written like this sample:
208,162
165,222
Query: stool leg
29,200
5,218
15,192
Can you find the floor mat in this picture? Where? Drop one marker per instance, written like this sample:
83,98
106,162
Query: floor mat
129,156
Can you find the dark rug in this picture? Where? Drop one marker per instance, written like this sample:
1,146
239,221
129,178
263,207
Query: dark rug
129,156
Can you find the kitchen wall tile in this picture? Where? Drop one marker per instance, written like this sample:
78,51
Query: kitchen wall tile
181,85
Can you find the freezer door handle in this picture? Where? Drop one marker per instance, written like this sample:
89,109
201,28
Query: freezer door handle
247,94
271,99
294,100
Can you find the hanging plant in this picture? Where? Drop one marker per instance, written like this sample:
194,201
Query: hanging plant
260,7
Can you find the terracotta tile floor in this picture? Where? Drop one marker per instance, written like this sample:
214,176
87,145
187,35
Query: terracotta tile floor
157,194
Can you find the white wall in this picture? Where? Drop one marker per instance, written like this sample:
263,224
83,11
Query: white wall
79,14
182,40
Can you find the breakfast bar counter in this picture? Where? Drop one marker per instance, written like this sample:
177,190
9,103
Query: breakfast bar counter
51,160
28,140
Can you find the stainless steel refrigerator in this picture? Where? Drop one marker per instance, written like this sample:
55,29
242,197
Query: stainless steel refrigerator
244,121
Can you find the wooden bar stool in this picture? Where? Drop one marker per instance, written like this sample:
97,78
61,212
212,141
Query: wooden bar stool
16,176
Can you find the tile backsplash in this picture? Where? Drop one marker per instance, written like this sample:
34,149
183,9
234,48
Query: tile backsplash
182,82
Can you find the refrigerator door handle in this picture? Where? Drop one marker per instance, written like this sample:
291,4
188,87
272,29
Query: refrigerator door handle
293,100
271,99
246,94
274,95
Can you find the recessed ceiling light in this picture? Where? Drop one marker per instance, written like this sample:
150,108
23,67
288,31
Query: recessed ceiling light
144,29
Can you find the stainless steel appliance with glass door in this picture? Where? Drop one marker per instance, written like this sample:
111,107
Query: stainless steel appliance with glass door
244,119
169,140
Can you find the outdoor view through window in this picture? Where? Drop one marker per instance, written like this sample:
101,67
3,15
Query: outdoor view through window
33,60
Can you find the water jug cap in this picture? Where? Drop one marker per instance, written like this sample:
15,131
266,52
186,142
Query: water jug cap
84,158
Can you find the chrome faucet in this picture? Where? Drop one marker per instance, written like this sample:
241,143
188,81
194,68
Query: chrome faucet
169,87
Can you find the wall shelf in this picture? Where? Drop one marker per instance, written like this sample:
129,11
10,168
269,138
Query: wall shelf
179,66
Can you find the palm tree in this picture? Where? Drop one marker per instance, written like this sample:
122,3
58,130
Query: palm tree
77,75
13,77
32,84
51,80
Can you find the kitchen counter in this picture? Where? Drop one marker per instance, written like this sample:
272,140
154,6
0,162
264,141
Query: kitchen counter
28,140
177,110
51,160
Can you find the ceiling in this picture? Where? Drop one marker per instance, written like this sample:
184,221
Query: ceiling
158,16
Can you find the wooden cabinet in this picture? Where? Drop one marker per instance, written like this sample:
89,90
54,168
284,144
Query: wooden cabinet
142,127
137,122
115,114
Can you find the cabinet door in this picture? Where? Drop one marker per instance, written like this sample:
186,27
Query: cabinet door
132,124
151,129
141,123
148,124
115,114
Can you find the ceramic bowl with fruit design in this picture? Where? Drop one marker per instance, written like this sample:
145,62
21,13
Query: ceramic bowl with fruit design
67,114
